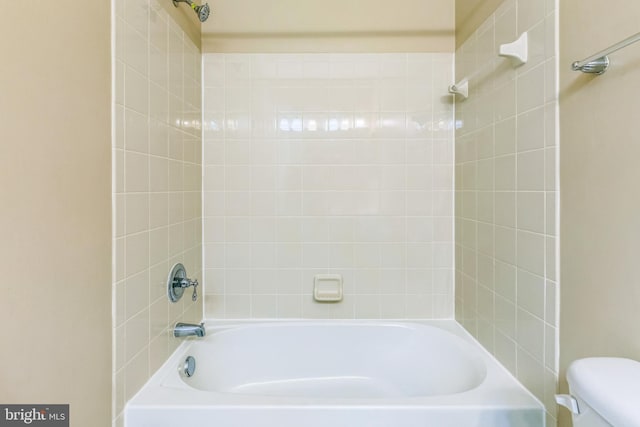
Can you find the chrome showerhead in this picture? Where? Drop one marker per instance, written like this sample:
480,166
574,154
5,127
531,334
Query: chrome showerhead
201,11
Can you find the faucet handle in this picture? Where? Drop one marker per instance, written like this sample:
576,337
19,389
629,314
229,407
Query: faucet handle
194,297
185,283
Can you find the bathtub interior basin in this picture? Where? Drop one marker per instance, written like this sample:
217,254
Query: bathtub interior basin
334,373
336,361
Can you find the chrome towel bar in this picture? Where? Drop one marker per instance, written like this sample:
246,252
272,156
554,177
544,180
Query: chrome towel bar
599,62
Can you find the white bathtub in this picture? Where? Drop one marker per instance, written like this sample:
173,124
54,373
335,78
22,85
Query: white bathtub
334,374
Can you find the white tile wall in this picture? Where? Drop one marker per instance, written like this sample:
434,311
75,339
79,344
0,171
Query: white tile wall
157,188
506,195
328,163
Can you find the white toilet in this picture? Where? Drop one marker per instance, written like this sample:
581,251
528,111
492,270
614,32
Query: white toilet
605,391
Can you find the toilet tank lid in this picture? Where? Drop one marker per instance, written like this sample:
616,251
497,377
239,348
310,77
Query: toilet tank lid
609,385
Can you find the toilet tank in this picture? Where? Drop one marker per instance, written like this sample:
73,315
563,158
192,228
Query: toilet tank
607,392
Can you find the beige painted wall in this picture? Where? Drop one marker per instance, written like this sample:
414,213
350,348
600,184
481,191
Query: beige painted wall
600,207
55,222
330,26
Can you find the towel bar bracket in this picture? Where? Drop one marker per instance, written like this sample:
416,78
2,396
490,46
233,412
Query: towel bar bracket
597,66
599,62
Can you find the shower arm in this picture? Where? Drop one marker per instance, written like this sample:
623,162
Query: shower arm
189,2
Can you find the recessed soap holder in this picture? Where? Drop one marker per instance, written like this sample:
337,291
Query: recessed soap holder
327,287
178,281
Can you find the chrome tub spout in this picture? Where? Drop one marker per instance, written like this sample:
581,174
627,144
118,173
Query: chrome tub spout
189,330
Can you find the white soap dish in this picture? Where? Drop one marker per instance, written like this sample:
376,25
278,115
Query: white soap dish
327,287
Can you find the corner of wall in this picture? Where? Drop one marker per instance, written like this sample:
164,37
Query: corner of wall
186,20
470,15
157,157
507,282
